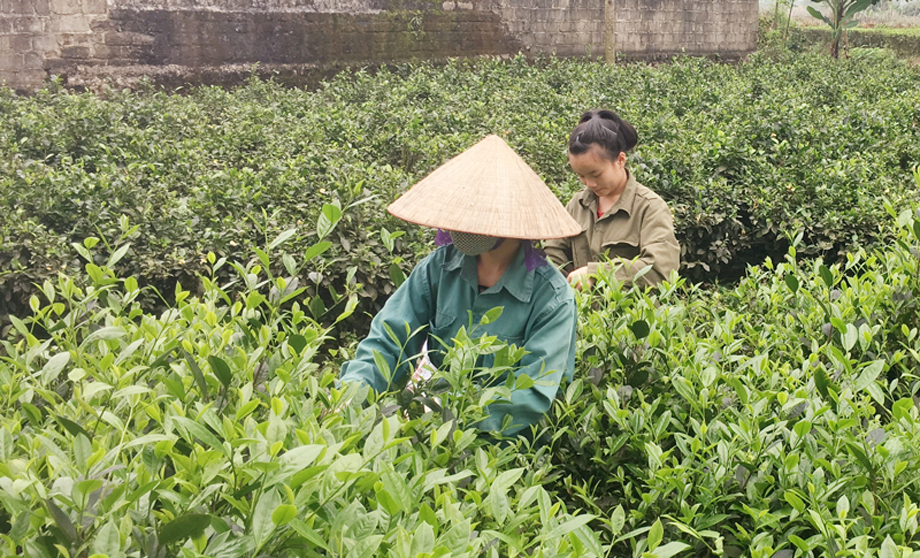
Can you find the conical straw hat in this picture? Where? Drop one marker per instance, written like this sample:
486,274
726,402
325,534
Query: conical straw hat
488,189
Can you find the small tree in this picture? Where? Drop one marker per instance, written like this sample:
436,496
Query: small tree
842,17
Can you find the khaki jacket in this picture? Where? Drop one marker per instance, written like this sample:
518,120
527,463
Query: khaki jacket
639,225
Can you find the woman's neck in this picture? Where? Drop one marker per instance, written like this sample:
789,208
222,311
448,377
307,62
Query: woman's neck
604,203
491,265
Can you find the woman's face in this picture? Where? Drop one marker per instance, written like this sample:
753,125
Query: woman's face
598,173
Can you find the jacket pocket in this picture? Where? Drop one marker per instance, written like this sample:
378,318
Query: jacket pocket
443,326
623,248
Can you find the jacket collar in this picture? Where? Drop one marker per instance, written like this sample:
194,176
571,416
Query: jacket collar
516,279
626,203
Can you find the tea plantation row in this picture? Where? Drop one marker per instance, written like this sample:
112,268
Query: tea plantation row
775,419
746,155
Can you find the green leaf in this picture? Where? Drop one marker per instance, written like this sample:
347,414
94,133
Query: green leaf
349,308
221,370
569,526
850,337
284,514
640,329
54,366
617,520
826,275
798,542
282,238
861,457
491,315
316,250
308,533
191,429
794,501
118,255
107,540
327,220
366,547
104,334
655,534
196,372
889,549
792,282
72,427
397,275
183,527
671,549
262,516
422,540
816,14
63,522
869,375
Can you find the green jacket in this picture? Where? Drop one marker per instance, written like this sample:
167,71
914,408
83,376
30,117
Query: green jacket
639,225
538,314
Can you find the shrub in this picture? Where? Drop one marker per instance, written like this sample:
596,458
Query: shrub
745,155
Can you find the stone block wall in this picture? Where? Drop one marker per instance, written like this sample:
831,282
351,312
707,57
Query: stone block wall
35,33
176,41
560,27
650,29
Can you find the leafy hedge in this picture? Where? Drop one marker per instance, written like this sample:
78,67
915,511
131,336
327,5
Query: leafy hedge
778,418
902,41
774,419
746,155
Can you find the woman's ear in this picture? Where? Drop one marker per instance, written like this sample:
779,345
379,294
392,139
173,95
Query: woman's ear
621,158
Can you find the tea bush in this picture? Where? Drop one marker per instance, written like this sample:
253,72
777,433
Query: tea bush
745,155
778,418
211,430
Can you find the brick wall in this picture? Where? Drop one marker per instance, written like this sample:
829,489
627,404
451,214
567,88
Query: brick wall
89,41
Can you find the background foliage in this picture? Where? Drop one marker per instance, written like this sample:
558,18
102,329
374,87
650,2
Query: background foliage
744,155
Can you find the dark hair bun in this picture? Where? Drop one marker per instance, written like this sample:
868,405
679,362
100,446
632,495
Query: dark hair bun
604,128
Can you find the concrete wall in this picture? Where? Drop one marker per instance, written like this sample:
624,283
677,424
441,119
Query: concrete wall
175,41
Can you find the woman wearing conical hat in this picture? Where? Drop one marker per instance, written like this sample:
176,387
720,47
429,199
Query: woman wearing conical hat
487,205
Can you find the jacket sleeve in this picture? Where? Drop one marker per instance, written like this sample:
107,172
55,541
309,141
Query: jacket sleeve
404,313
658,248
550,358
559,252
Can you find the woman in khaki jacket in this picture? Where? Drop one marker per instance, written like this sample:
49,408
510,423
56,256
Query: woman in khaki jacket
624,223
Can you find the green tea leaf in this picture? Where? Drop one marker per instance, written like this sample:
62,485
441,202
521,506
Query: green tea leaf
869,375
263,515
308,533
826,275
792,282
327,220
196,372
183,527
282,238
671,549
62,521
316,250
104,334
569,526
640,329
796,502
655,534
284,514
54,366
221,370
